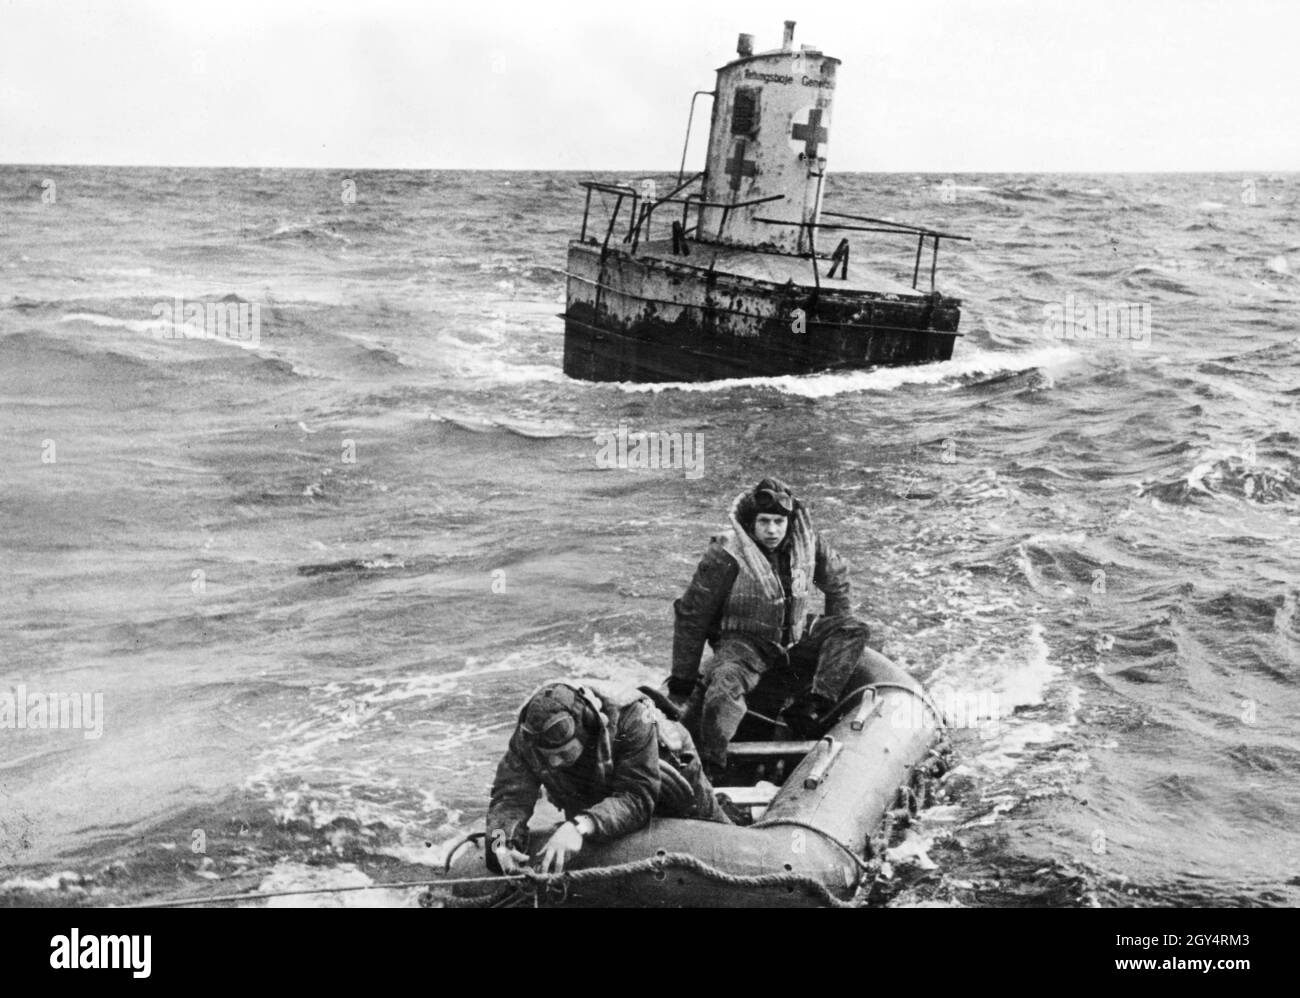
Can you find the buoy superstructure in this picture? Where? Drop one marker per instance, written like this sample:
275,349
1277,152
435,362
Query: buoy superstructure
738,271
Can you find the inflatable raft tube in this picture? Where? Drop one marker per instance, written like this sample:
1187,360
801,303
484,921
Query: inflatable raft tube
811,847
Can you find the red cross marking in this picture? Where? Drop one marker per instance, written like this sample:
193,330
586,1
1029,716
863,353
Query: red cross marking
812,133
738,167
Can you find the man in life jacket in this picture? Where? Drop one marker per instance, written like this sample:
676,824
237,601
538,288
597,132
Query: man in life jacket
749,600
609,758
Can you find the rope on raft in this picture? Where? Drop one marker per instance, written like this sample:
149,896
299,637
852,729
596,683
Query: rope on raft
862,865
560,883
531,886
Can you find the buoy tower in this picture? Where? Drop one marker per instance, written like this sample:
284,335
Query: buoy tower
769,135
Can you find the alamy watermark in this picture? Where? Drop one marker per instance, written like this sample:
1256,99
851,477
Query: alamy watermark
22,710
94,951
1108,321
980,710
656,449
196,320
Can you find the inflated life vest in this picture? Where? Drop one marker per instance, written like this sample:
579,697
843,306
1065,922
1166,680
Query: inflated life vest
756,605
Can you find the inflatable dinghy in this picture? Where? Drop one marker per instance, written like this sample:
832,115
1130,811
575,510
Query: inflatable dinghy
820,813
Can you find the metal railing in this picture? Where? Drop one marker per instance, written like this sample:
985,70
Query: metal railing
921,232
620,190
878,225
681,172
642,213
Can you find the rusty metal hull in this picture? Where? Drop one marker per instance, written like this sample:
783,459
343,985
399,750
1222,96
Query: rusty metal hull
648,317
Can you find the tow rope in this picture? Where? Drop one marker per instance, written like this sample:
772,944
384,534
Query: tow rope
555,886
258,895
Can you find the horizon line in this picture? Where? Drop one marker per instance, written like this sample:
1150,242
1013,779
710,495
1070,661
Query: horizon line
638,170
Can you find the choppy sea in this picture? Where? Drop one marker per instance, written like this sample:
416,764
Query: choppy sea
311,574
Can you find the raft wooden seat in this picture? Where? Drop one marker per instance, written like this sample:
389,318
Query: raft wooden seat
749,796
753,749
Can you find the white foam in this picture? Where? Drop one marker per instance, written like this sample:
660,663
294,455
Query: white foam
65,881
1020,676
150,326
159,329
485,364
914,849
882,379
298,876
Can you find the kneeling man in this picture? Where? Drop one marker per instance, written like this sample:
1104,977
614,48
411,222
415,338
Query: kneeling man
609,758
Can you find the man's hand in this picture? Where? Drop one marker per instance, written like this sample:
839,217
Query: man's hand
510,859
806,717
566,842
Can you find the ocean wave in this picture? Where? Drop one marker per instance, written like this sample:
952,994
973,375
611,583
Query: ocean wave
1022,195
529,430
152,327
1232,477
309,234
358,566
165,329
1242,608
72,360
1057,565
1146,277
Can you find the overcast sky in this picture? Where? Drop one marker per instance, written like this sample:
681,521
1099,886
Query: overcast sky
925,85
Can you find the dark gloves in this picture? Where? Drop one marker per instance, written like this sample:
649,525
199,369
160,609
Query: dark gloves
679,691
806,717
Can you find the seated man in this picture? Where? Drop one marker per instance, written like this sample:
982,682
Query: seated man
748,601
609,758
